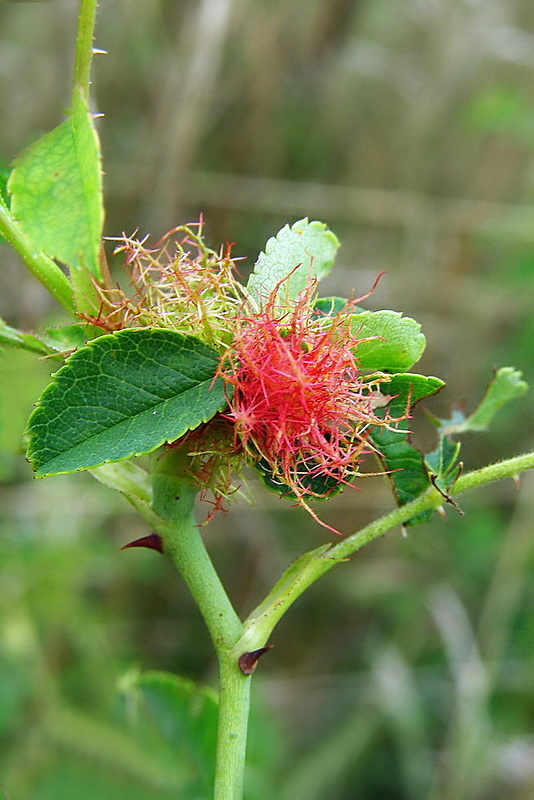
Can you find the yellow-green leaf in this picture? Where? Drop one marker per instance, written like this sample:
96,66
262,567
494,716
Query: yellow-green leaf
56,192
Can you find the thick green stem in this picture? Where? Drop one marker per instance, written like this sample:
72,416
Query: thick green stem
173,501
84,46
40,266
234,702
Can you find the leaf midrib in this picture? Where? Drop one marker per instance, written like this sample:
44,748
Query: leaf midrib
131,419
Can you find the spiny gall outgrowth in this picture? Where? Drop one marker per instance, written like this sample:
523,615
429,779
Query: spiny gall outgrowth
214,457
300,404
299,407
178,283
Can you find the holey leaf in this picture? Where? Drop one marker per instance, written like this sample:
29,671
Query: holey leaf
123,394
56,192
303,251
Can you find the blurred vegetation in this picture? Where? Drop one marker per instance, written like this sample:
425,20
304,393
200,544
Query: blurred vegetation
409,128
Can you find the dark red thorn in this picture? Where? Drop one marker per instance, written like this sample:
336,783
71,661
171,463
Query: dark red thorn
153,541
247,661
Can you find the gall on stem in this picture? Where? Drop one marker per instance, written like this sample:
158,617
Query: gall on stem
301,406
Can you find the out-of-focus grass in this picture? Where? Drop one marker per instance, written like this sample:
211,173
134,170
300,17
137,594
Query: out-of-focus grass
408,127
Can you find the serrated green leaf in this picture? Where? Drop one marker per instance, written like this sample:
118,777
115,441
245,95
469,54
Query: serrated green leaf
123,394
506,385
52,343
397,344
306,248
409,477
56,192
409,388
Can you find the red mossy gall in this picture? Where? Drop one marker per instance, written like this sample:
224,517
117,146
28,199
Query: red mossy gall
300,403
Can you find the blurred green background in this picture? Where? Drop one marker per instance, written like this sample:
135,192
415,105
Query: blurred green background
408,127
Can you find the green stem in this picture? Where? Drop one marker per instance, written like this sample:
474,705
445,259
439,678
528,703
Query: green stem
173,502
173,518
311,566
431,499
234,703
88,299
40,266
84,46
510,468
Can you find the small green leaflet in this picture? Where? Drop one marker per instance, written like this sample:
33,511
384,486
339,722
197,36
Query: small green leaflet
68,337
409,477
56,191
123,394
442,462
54,342
506,385
397,344
306,249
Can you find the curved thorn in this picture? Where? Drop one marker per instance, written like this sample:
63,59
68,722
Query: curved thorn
153,542
247,661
